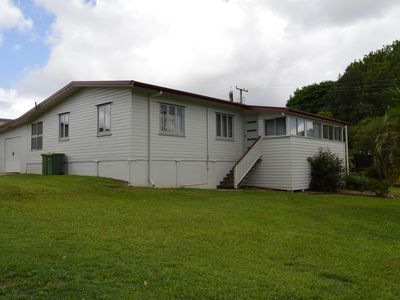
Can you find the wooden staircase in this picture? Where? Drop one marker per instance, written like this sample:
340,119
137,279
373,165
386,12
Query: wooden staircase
243,167
228,184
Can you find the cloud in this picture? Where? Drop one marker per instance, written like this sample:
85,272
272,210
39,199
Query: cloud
270,47
12,17
315,13
12,104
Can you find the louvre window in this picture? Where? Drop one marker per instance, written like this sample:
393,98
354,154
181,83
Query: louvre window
224,126
64,126
37,136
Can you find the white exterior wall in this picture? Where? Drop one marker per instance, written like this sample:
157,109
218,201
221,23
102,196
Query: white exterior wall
274,169
86,153
197,159
301,149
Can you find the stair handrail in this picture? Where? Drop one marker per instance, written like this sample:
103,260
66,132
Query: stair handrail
246,162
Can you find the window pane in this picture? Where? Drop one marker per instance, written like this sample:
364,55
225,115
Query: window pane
66,130
317,130
218,123
171,119
300,127
269,127
33,143
280,125
310,128
338,133
61,126
101,118
230,128
331,133
293,126
107,117
163,117
180,121
39,143
34,129
39,128
223,125
326,132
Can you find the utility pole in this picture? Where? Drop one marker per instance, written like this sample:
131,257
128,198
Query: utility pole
241,93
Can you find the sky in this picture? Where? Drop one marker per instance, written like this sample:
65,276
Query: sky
269,47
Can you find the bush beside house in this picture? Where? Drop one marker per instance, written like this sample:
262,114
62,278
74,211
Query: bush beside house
327,171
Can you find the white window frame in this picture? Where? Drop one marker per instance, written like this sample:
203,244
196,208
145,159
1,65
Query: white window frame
296,119
228,133
170,124
275,132
35,136
314,123
106,115
63,124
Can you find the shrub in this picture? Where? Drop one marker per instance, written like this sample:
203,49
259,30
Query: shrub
372,172
326,171
362,183
379,187
356,182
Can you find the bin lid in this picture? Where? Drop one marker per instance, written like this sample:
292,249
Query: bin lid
52,154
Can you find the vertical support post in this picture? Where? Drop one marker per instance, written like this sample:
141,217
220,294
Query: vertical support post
347,151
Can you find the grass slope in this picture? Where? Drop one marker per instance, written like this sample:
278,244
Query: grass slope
80,237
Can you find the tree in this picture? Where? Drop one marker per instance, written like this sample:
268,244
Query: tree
387,143
310,98
360,92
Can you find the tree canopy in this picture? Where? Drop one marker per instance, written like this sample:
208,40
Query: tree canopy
360,92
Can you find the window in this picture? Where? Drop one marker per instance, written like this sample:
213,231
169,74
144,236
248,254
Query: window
300,127
37,136
317,130
310,128
104,119
297,126
328,132
172,120
275,126
293,126
224,126
331,132
63,126
313,129
338,133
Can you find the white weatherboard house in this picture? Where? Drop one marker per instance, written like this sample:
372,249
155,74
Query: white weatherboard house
149,135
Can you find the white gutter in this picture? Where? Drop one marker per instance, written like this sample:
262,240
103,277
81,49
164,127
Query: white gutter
149,134
347,151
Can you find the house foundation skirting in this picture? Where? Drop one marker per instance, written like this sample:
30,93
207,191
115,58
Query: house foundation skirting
165,172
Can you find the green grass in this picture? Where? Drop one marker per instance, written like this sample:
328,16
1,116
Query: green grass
395,190
80,237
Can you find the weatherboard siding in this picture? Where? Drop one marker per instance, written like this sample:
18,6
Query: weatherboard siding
197,159
301,149
84,147
274,169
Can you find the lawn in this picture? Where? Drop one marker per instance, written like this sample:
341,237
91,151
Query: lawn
85,238
395,190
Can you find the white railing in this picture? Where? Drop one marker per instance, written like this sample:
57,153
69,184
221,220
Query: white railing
246,162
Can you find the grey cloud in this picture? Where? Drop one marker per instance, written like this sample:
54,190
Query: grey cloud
207,47
311,13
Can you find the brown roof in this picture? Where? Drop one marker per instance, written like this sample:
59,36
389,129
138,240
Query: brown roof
77,85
